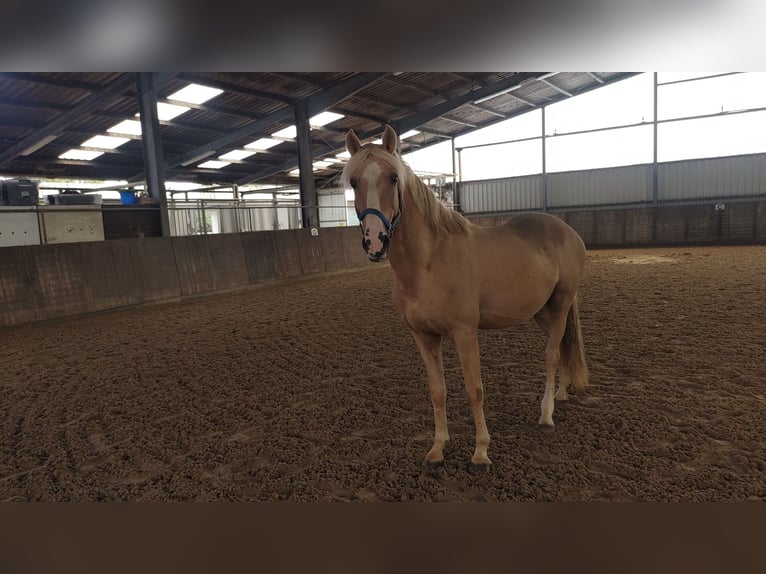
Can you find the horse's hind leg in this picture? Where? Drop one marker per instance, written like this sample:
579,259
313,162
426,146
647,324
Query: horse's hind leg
553,321
430,347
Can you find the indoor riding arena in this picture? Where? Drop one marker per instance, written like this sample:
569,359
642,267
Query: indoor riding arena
259,357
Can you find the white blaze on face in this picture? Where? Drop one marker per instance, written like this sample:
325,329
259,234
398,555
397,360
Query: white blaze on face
373,229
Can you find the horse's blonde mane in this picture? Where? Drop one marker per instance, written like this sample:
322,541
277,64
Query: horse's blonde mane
415,192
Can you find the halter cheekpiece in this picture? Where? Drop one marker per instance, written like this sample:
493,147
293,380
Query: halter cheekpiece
390,225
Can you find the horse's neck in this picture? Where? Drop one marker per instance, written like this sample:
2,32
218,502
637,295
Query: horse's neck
413,244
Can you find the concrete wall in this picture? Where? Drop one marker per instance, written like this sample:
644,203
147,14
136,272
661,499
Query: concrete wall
738,222
42,282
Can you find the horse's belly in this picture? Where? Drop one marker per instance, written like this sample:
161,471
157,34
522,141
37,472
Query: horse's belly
500,318
505,309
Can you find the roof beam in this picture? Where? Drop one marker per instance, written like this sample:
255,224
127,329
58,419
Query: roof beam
231,87
487,109
315,104
595,77
51,81
555,87
525,101
439,94
319,102
425,116
414,121
55,127
465,78
458,122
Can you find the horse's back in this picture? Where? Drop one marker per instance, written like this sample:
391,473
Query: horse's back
536,240
542,228
539,232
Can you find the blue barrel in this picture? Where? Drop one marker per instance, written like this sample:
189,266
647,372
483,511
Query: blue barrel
128,197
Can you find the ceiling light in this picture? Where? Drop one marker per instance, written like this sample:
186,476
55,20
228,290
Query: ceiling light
195,94
82,154
132,127
237,154
167,112
263,144
324,118
105,142
289,132
214,164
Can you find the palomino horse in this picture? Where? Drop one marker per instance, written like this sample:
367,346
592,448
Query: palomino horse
452,277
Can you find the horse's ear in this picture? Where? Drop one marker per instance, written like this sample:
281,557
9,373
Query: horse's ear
390,140
352,142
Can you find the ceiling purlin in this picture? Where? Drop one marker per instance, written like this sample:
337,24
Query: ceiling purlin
232,87
315,104
57,125
414,120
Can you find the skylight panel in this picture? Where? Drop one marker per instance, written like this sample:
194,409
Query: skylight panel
343,156
132,127
167,112
324,118
408,134
288,132
263,144
237,154
295,171
214,164
195,94
321,164
105,142
82,154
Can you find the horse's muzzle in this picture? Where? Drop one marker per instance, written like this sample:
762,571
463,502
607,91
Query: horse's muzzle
382,253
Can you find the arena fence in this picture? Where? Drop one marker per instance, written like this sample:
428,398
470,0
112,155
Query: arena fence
43,282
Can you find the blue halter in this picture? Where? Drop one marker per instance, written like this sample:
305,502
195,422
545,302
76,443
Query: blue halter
390,225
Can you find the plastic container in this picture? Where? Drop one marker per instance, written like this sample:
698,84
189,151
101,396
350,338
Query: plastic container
21,192
128,197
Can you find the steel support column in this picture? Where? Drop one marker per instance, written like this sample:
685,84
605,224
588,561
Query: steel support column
309,207
455,204
655,176
152,145
544,174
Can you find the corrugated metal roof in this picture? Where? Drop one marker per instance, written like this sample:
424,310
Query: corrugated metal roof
441,102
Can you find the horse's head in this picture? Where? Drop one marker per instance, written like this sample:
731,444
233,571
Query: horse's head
374,173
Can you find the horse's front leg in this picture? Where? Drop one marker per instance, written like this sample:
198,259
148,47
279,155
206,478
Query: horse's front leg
467,345
431,350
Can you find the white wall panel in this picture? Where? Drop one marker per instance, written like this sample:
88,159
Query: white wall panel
712,178
628,184
497,195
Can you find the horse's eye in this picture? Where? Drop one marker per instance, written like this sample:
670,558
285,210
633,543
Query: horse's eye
353,183
394,178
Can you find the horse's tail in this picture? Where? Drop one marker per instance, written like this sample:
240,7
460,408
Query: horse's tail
573,352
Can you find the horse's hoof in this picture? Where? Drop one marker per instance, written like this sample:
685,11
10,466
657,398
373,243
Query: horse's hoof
432,465
546,427
479,467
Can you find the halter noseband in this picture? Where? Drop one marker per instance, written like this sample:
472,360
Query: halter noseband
390,226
